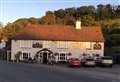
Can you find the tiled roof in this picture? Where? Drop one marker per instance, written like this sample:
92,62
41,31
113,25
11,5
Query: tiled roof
59,33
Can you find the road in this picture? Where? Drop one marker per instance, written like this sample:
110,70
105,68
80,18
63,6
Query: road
12,72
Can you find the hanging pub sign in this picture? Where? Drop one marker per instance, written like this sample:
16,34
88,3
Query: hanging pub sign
37,45
97,46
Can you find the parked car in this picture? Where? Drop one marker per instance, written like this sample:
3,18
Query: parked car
107,61
73,62
90,62
98,61
83,61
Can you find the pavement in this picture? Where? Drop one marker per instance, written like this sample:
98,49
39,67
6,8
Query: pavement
13,72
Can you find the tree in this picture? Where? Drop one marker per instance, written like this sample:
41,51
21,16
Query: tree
8,31
60,21
33,20
60,13
70,12
87,20
117,11
11,29
109,11
86,10
1,25
100,12
49,18
1,32
105,12
69,20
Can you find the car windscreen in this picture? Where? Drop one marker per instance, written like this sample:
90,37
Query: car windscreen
107,58
74,59
89,59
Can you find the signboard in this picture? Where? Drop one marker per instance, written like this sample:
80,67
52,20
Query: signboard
37,45
97,46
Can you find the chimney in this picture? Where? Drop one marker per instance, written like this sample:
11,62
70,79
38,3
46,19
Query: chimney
78,24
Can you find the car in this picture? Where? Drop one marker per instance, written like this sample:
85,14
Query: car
98,61
90,62
107,61
83,61
73,62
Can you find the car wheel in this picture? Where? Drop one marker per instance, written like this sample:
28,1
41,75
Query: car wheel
111,65
93,66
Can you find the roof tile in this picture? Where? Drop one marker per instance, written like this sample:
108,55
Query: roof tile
59,33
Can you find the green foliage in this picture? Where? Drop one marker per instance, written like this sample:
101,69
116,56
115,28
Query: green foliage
32,20
87,20
1,25
70,12
105,12
59,21
86,10
110,23
49,18
69,20
60,13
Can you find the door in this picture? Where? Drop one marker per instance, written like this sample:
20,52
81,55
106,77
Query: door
45,58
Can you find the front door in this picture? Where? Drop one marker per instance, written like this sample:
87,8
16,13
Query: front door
44,55
45,58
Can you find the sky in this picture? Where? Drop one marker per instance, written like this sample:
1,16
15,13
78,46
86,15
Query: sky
11,10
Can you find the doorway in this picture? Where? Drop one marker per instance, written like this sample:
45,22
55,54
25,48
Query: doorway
45,58
43,55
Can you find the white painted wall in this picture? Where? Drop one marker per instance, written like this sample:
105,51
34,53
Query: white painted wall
76,48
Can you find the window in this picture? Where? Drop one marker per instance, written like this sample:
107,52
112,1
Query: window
62,57
26,56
